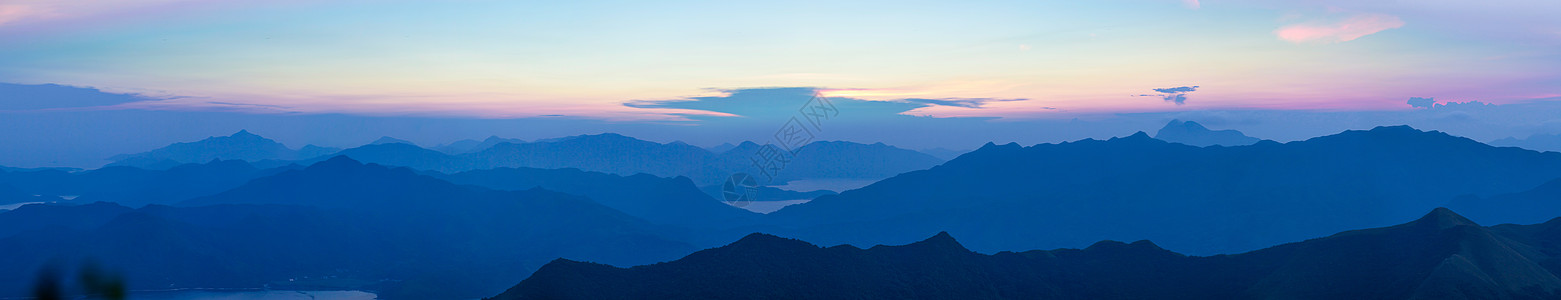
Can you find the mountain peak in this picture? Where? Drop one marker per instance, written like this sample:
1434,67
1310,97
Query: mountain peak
767,242
1443,218
1192,133
1394,128
938,243
390,140
1137,136
336,163
1141,248
1189,125
943,238
244,133
606,135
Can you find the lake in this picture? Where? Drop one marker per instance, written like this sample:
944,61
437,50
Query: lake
251,295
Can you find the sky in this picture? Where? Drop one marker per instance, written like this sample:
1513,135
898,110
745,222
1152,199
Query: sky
918,74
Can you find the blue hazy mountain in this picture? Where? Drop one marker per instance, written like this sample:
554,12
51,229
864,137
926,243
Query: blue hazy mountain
622,155
466,146
457,147
36,217
766,193
1439,256
1192,133
13,169
723,147
943,153
399,154
315,151
239,146
135,187
406,235
1190,199
675,201
390,140
1537,142
608,153
831,159
11,195
1534,205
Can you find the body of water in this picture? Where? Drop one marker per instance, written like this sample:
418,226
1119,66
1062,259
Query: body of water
765,207
832,184
15,205
251,295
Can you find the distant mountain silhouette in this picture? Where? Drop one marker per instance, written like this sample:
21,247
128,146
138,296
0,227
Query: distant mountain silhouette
390,140
766,193
943,153
14,169
1190,199
42,216
1531,206
723,147
1537,142
827,159
1439,256
1192,133
467,146
239,146
309,151
399,154
655,199
11,195
342,218
608,153
135,186
622,155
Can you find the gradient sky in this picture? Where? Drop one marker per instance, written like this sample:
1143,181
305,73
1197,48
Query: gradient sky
913,73
506,59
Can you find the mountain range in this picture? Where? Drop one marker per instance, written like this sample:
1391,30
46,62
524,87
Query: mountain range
673,201
358,223
1197,200
11,195
467,146
239,146
1438,256
1537,142
608,153
412,223
136,186
1192,133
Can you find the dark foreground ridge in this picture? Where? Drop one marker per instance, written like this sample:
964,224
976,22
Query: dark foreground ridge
1440,256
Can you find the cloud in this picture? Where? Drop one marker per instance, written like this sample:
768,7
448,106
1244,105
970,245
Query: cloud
37,10
1343,31
1430,104
776,102
961,102
20,97
1193,4
1176,95
12,13
1181,89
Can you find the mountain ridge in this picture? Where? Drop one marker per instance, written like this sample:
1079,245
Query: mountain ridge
1486,267
1357,178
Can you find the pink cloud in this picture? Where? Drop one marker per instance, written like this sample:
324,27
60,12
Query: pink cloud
1193,4
12,13
1343,31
